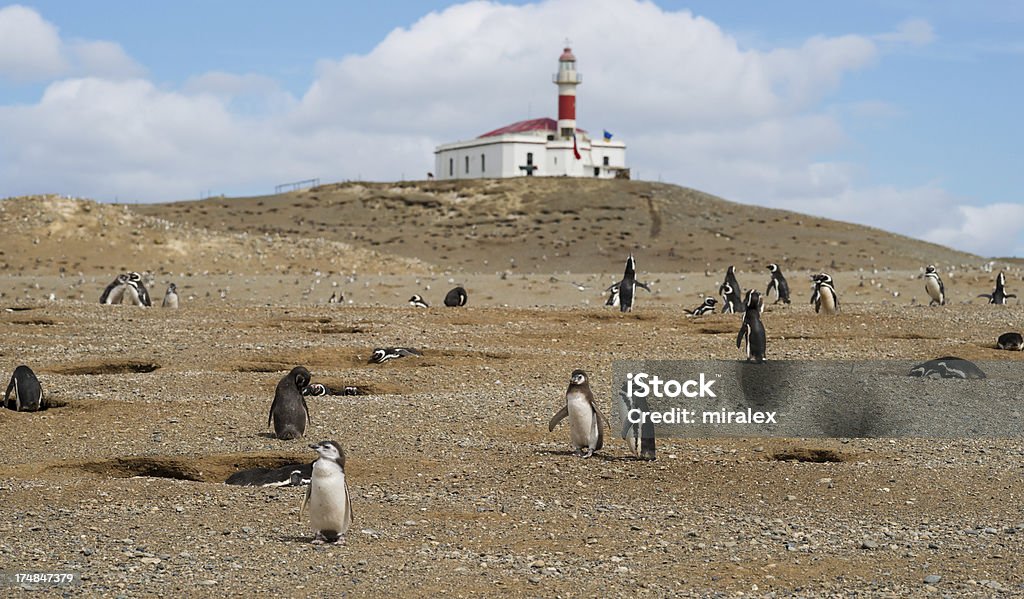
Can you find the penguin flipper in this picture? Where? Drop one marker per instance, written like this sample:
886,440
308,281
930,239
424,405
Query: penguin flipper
309,418
643,285
348,502
601,425
742,334
561,414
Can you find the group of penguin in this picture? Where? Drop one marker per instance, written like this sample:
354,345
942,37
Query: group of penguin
455,298
129,288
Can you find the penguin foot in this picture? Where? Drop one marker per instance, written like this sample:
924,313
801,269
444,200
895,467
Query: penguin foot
341,540
586,453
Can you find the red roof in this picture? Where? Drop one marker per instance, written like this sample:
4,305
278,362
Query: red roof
542,124
567,56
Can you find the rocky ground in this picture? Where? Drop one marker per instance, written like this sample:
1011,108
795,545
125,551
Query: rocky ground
458,486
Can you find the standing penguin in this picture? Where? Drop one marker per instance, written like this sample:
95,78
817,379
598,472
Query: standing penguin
289,411
114,292
933,285
171,297
778,284
136,290
731,299
627,286
28,393
586,424
998,295
613,297
328,498
824,295
752,328
456,297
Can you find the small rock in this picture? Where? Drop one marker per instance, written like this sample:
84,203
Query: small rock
869,545
932,579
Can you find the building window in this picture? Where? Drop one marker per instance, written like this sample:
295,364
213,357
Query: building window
451,167
556,159
467,165
597,171
606,161
483,163
529,158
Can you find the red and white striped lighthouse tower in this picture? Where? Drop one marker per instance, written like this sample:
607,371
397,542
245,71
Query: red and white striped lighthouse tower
567,79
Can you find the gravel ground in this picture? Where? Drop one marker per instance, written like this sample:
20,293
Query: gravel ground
458,487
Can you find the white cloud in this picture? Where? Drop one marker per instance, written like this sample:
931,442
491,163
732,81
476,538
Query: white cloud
916,32
103,59
30,47
694,106
994,230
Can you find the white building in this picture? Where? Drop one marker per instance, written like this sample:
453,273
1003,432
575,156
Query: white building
538,147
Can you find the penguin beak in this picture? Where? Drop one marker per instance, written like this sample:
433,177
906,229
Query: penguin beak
314,446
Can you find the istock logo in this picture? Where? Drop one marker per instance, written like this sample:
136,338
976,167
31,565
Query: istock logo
643,384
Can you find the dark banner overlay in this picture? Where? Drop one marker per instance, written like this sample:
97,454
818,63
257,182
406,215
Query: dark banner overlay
716,398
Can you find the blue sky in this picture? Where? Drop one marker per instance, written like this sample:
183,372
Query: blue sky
902,115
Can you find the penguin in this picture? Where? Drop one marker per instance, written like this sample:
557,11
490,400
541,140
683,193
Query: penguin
731,299
778,284
292,475
707,307
28,393
456,297
316,390
418,302
586,424
289,411
383,354
933,285
824,295
136,290
613,297
327,496
998,295
171,297
949,367
333,299
752,329
639,437
114,292
627,286
1010,341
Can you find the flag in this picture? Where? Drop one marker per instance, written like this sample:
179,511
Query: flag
607,135
575,150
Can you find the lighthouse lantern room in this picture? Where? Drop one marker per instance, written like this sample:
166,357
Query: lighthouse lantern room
538,147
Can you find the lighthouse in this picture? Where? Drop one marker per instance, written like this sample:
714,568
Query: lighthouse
542,147
567,78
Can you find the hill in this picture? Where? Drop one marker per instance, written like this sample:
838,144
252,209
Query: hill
47,234
548,225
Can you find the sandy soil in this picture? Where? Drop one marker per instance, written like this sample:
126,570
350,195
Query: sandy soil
458,486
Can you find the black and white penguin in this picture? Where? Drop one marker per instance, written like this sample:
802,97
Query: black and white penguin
627,286
114,292
292,475
949,367
639,436
316,390
613,297
136,291
28,393
933,285
1010,341
707,307
778,284
999,295
328,497
383,354
289,411
456,297
171,297
824,295
752,329
732,302
418,302
586,424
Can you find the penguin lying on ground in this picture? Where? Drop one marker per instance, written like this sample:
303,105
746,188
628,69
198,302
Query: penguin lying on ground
1010,341
292,475
383,354
708,307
